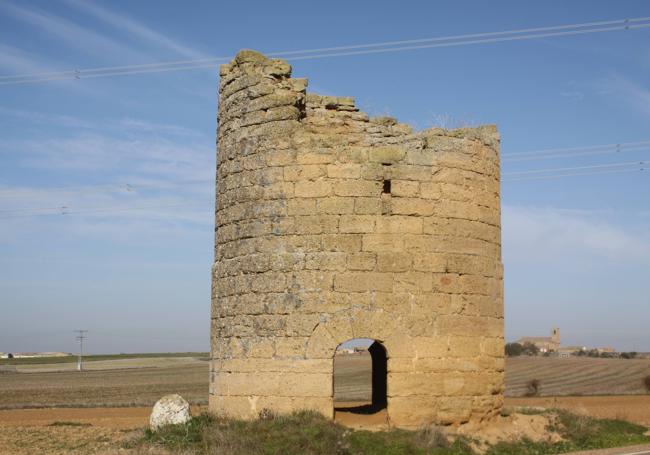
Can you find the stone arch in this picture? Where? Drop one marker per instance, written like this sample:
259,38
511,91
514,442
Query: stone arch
373,324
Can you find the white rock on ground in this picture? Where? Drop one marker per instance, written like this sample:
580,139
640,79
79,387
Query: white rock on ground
170,409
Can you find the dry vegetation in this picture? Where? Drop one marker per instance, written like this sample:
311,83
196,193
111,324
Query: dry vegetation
310,433
635,408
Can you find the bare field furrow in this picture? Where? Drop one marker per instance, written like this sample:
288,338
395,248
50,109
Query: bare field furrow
577,376
126,387
612,380
143,386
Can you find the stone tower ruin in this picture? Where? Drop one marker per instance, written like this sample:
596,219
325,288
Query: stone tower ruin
332,225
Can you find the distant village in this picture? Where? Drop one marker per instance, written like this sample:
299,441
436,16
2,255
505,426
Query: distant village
351,351
552,347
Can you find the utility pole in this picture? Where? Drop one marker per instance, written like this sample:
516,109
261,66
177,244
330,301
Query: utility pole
80,339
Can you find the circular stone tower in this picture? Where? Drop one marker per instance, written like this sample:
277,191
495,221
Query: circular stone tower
331,225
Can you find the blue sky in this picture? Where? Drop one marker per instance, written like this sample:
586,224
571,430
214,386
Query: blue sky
576,249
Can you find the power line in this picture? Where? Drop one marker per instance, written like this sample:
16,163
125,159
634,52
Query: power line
552,153
67,212
575,168
575,174
128,187
469,36
568,152
559,152
478,41
581,147
336,48
60,208
338,51
76,189
576,154
526,175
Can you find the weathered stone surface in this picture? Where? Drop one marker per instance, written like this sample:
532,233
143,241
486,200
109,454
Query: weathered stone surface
386,154
169,410
332,225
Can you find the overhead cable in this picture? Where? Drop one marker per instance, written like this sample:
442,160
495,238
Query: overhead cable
574,174
574,168
339,51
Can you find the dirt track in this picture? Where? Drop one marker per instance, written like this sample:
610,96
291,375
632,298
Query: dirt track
122,418
635,408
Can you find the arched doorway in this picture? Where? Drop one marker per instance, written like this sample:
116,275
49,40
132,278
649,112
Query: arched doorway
360,382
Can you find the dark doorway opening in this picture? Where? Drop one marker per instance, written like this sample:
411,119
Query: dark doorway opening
360,377
379,376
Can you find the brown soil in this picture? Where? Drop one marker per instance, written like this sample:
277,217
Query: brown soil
376,421
118,418
635,408
102,430
63,440
512,428
351,414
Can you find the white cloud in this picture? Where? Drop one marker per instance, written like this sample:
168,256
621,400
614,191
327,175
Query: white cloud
629,92
136,28
144,214
581,270
574,95
118,176
145,154
559,235
127,124
74,35
48,119
16,61
160,128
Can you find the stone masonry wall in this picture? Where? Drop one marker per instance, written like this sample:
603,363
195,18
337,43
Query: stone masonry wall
312,249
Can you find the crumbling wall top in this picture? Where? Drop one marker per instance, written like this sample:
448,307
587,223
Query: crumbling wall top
270,79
